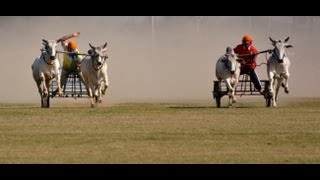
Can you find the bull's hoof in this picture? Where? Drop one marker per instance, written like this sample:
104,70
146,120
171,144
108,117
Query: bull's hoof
54,93
270,94
261,92
286,91
45,94
92,105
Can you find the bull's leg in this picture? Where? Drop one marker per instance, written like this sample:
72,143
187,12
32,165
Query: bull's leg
58,79
271,87
277,88
230,90
106,85
92,101
271,82
232,98
273,94
48,83
228,85
39,85
97,94
90,94
234,85
44,92
285,85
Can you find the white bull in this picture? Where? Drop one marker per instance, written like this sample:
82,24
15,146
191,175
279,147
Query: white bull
278,68
228,70
94,72
46,67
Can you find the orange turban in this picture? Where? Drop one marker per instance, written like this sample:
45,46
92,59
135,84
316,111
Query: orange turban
247,38
72,45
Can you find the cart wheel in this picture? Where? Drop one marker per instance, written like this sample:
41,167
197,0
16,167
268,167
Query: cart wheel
218,101
267,96
48,101
217,93
42,104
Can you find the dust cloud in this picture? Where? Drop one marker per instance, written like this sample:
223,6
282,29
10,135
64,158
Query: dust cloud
161,58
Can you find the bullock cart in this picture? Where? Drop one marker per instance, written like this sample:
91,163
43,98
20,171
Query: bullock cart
277,70
51,68
74,89
244,87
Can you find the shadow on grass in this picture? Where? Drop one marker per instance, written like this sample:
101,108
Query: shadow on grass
223,107
191,107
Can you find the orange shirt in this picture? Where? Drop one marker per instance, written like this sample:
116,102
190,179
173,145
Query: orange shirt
250,60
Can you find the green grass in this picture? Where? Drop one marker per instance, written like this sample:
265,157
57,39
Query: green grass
162,133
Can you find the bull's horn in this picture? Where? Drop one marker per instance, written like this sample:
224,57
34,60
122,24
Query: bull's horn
105,45
46,41
286,39
272,40
92,46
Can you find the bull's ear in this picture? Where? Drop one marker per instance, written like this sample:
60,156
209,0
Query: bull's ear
288,46
90,52
104,50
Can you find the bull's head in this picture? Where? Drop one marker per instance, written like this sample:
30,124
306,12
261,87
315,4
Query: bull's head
98,54
50,47
231,60
279,48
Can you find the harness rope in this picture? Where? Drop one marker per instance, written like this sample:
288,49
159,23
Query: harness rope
42,56
100,66
85,55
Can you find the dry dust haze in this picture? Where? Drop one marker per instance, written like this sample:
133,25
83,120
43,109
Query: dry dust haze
173,61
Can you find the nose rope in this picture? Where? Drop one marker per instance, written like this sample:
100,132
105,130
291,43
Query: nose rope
100,66
43,57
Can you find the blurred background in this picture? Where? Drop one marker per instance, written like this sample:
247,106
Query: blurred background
157,58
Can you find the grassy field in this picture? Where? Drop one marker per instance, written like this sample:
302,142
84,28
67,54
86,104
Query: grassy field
162,133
